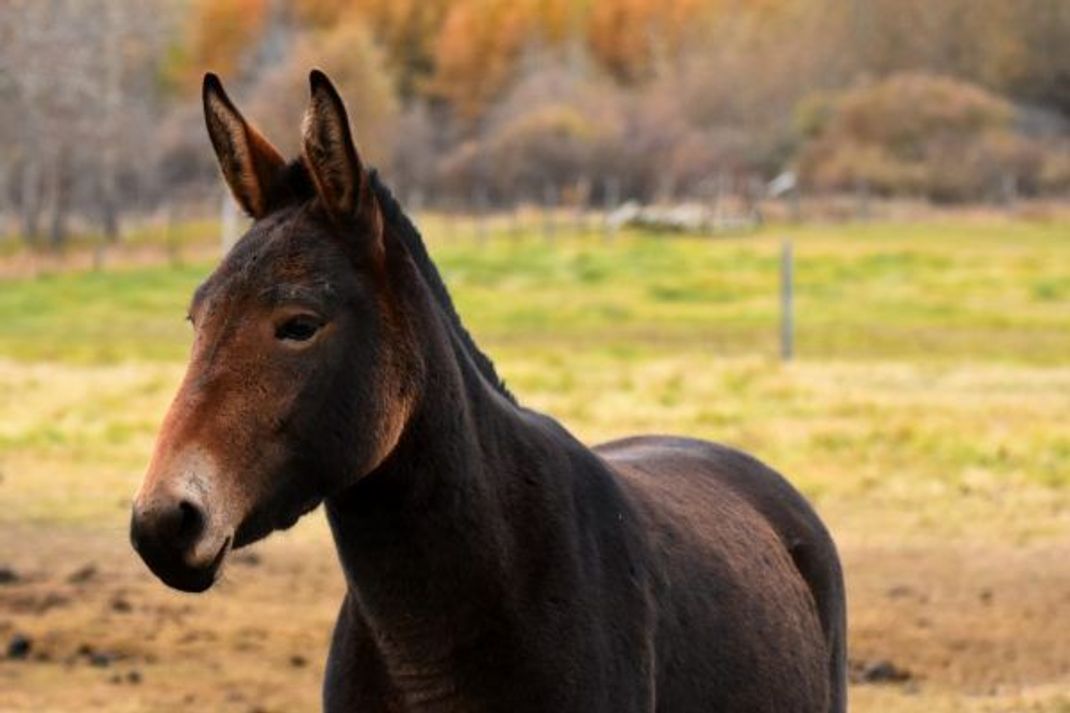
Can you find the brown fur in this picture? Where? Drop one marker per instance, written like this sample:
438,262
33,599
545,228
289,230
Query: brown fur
493,562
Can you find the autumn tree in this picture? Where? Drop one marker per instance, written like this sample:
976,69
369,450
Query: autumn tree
277,100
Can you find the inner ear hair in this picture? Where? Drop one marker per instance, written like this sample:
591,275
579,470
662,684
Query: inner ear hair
331,154
248,160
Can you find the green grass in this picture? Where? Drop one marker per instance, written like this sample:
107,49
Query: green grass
861,293
100,317
936,292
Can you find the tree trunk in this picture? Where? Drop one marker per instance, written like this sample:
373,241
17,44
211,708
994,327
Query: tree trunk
113,101
109,211
30,201
57,186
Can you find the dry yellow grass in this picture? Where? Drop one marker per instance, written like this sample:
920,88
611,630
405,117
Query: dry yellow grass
978,451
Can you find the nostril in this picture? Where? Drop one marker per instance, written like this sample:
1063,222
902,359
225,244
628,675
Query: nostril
190,522
168,530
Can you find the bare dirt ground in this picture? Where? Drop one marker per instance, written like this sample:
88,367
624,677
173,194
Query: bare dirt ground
940,628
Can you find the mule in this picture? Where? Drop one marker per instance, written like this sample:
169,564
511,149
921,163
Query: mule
492,561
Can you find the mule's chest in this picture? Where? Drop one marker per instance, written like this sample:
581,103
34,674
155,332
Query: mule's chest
362,677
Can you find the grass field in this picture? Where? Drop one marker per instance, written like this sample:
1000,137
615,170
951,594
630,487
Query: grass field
926,416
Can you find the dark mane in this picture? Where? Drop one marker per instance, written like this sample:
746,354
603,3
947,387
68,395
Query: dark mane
404,229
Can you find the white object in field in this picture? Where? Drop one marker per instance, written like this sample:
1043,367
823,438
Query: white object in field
783,184
680,217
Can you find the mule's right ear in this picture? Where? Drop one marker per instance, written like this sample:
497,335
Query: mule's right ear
249,162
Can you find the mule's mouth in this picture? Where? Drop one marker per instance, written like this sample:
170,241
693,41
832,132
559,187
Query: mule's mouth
183,577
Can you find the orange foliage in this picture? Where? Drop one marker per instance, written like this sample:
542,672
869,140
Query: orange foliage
481,40
466,51
476,51
322,13
630,37
405,29
220,31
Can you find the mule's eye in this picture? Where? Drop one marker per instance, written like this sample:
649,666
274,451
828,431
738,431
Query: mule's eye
298,329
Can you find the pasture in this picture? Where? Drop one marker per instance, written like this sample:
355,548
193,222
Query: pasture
925,415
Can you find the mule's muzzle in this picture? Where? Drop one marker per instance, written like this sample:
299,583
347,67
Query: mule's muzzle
171,537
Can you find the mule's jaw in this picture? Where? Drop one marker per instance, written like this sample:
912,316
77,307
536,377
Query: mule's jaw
261,523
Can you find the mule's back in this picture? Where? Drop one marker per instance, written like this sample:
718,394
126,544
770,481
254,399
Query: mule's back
749,587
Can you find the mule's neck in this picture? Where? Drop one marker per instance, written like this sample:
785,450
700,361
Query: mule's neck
449,447
424,540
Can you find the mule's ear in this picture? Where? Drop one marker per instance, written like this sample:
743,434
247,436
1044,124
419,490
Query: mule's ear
331,154
249,162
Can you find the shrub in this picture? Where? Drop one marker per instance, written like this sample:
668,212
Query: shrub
555,127
917,134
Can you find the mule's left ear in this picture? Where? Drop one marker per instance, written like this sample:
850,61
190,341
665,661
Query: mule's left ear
331,154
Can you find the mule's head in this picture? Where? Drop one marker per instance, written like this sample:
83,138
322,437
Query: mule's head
303,370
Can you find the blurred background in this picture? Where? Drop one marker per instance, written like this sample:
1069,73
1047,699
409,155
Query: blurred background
835,233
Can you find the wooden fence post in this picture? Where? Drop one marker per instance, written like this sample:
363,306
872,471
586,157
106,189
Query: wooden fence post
549,200
170,231
862,199
582,195
515,228
449,219
611,200
481,206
